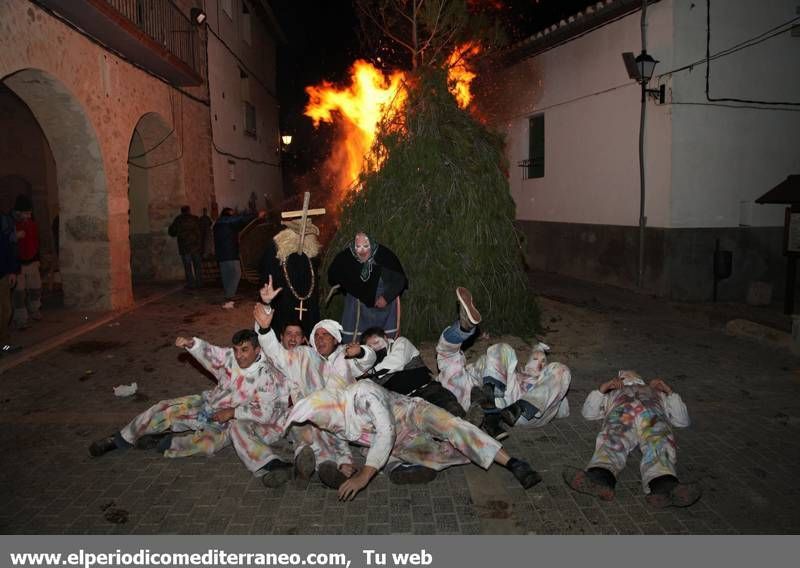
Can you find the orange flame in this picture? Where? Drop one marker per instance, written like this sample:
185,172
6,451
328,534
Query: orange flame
358,108
460,74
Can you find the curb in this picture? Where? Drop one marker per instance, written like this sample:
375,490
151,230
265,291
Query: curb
58,340
762,333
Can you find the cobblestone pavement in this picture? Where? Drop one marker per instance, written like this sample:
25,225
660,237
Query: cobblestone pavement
743,445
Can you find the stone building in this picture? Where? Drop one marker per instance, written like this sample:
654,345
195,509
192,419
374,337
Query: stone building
106,121
570,112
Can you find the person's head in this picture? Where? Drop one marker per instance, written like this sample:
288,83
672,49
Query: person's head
326,336
362,247
23,207
226,212
292,335
374,337
245,347
185,210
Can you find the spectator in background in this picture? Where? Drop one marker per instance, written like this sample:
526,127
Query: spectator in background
188,229
226,245
27,295
9,267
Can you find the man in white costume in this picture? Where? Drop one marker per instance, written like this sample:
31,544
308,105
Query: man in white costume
635,414
531,397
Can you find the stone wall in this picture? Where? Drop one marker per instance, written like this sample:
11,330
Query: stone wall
88,102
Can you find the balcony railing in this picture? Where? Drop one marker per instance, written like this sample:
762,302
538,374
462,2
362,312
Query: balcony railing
153,34
162,21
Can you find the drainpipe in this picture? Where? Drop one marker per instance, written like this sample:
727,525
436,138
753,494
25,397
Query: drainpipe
642,218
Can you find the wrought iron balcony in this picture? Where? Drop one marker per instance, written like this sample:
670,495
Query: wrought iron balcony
153,34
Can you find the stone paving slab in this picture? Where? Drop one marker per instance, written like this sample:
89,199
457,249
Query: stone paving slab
743,445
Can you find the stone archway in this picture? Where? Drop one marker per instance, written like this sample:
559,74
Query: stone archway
85,259
155,196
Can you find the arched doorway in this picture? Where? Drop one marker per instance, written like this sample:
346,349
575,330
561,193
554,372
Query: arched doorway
155,196
85,249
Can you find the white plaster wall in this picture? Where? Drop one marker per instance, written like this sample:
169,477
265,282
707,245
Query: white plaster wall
261,174
723,156
591,112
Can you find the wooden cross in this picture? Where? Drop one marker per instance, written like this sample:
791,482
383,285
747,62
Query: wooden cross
300,309
304,214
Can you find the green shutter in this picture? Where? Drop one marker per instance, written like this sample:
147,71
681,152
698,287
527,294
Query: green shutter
536,147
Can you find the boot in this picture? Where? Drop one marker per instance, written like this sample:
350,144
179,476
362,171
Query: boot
525,474
330,476
511,413
275,473
580,481
680,495
411,474
105,445
304,465
475,415
468,314
102,446
492,426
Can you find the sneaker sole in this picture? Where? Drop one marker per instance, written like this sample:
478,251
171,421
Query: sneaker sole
412,476
276,478
330,476
578,480
465,299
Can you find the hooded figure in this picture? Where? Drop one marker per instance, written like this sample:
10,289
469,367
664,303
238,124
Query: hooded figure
373,279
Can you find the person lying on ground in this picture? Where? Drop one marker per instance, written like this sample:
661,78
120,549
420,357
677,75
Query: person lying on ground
635,414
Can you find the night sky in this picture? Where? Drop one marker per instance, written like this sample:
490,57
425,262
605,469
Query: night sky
324,40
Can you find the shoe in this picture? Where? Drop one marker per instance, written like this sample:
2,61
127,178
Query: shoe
491,425
103,446
411,474
7,349
304,465
475,414
479,396
579,481
229,305
330,476
682,495
511,413
525,474
468,314
276,473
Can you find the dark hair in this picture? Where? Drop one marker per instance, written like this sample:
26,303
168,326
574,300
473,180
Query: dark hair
244,335
370,331
226,212
23,203
185,209
293,322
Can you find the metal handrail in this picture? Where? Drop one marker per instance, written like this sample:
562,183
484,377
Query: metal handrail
163,22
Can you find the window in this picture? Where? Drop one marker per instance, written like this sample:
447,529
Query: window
249,119
227,7
536,146
247,25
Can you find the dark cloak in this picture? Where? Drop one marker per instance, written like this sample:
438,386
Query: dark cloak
345,270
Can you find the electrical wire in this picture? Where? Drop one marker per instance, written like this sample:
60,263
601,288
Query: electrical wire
708,69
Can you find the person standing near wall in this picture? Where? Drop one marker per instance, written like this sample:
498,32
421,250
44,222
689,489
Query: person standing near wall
187,228
9,267
226,246
27,295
